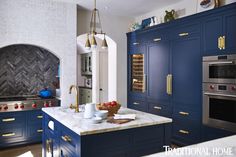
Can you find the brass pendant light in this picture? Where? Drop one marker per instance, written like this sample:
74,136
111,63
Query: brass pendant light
93,30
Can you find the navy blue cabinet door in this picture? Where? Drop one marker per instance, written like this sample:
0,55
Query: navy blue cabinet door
158,67
186,70
212,30
229,21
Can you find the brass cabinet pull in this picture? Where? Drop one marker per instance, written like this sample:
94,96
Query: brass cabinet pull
183,132
8,120
135,103
157,39
223,42
219,43
183,34
8,134
169,84
135,43
66,138
40,130
157,107
184,113
48,145
39,117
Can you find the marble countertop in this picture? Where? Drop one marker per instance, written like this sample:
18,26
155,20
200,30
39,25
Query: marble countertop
81,126
223,147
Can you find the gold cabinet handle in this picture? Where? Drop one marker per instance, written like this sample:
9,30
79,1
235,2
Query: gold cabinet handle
157,107
223,42
39,130
66,138
8,120
135,103
40,117
48,145
144,83
183,34
135,43
219,43
184,113
8,134
157,39
169,84
183,132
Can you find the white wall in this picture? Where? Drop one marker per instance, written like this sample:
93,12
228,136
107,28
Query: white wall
116,28
183,8
45,23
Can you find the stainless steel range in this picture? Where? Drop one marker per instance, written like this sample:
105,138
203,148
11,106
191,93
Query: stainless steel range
219,92
23,103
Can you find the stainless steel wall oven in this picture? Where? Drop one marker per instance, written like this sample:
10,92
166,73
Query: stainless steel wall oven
219,92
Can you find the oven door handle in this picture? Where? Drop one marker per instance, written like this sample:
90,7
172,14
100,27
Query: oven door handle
225,62
216,94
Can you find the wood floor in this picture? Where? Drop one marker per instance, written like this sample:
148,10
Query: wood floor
25,151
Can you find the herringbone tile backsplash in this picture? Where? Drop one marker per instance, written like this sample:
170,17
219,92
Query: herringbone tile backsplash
26,69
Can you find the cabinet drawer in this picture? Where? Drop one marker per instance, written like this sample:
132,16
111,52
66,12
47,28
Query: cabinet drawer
35,117
184,113
68,139
186,31
137,104
46,120
159,109
35,131
12,134
186,132
12,118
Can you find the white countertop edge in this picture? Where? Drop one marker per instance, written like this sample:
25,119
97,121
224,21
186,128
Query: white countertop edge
117,127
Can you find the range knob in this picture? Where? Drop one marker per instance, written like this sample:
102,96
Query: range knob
16,106
212,86
0,107
22,106
5,107
233,88
46,104
34,105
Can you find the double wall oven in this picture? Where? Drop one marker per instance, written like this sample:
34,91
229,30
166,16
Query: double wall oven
219,92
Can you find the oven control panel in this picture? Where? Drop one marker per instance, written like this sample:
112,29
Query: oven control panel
218,88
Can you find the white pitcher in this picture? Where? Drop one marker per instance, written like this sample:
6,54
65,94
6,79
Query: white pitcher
89,110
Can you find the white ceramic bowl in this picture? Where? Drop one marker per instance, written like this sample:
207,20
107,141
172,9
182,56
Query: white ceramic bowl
96,120
102,113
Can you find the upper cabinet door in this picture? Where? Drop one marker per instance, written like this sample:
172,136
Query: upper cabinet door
212,31
230,32
158,67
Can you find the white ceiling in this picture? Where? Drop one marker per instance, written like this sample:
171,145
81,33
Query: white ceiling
131,8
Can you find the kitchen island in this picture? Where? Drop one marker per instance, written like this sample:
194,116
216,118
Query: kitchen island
68,134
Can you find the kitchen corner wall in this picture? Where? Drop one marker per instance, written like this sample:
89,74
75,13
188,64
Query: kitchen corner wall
183,8
116,28
45,23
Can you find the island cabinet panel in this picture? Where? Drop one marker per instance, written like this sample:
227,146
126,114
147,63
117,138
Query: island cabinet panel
134,142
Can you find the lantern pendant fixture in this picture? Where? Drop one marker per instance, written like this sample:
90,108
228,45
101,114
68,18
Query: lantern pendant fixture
93,30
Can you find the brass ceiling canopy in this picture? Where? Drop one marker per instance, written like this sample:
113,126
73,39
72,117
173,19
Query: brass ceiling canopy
95,23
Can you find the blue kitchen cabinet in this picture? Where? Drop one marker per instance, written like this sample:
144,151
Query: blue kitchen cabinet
219,28
229,21
186,94
158,67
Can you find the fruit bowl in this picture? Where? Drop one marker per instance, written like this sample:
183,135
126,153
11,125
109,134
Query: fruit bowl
112,107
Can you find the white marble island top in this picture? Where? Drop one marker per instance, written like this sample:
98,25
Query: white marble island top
223,147
81,126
